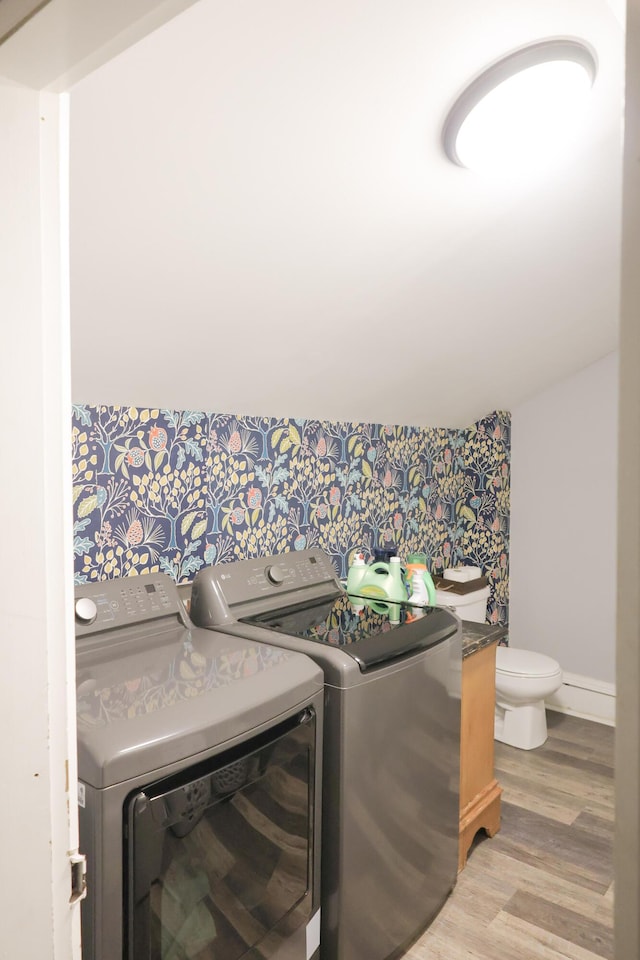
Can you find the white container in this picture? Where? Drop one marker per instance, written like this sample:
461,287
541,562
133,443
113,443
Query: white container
469,606
462,574
419,594
356,573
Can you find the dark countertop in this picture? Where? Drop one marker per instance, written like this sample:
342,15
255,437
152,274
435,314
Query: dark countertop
475,636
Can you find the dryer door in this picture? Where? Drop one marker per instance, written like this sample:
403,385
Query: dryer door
219,855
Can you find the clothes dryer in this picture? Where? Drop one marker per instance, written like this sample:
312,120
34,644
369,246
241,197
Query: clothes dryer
199,762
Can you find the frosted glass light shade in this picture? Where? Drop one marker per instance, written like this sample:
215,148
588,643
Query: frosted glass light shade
523,110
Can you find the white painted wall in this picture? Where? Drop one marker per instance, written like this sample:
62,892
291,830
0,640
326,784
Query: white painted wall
563,522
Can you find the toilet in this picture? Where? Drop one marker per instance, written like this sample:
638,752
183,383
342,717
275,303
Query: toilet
523,680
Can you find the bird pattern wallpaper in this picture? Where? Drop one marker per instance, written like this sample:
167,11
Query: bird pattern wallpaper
172,491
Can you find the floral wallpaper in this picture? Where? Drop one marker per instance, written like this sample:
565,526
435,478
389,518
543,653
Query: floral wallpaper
174,490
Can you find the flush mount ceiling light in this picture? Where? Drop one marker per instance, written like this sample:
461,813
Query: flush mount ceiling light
523,109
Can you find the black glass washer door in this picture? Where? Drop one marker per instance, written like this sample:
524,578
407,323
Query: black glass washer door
371,631
220,855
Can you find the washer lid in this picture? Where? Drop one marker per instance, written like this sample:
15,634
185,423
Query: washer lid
371,631
524,663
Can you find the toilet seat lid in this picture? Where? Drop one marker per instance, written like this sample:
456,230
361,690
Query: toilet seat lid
525,663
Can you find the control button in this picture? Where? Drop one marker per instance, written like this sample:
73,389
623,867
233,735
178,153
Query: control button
275,574
86,610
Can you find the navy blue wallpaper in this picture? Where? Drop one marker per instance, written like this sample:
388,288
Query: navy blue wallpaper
173,490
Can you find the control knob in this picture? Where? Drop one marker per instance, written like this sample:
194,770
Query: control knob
275,574
86,610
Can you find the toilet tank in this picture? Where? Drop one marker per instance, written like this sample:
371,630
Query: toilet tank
469,606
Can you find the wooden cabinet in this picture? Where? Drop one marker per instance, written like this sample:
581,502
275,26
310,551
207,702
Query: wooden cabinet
479,790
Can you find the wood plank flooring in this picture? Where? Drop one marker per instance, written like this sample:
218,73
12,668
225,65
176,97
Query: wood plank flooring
542,888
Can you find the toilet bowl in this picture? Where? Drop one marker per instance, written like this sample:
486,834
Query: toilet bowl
523,680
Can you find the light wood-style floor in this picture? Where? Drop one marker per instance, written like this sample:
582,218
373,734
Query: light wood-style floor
542,888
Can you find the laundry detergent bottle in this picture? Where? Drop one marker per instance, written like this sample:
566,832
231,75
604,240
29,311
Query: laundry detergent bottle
384,581
356,573
423,591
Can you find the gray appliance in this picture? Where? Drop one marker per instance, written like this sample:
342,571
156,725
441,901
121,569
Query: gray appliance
199,763
391,739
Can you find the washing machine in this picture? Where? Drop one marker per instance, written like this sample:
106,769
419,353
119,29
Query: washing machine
199,764
391,771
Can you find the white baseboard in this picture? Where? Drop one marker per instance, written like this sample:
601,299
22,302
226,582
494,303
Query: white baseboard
585,697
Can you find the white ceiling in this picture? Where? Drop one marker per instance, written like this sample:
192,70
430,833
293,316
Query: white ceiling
263,220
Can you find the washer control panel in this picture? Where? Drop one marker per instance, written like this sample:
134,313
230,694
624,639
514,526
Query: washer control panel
277,577
117,603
